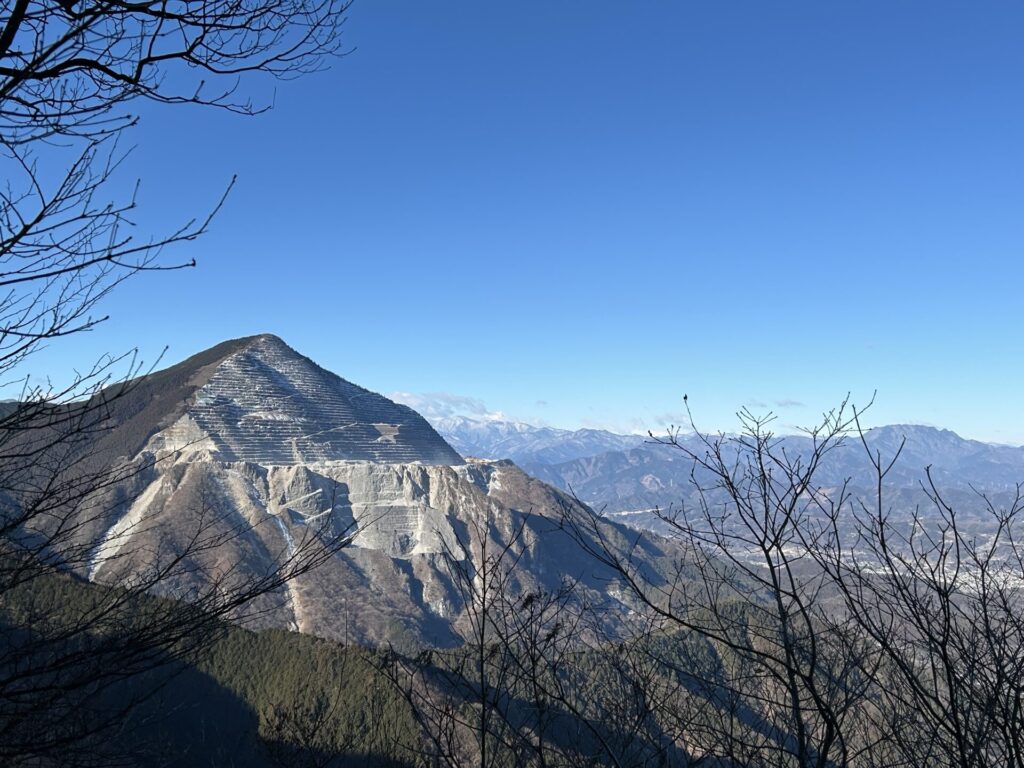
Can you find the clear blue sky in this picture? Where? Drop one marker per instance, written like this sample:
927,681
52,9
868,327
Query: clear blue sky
577,211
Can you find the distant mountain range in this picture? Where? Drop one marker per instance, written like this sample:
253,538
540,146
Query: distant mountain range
624,474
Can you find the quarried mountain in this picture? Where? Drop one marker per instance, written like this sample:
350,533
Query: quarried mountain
268,453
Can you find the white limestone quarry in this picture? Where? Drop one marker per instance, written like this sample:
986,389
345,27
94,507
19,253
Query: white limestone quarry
115,538
267,404
401,512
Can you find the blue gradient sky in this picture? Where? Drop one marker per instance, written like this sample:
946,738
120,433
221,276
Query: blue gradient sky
575,212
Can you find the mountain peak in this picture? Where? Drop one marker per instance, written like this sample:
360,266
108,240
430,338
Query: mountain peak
263,338
256,399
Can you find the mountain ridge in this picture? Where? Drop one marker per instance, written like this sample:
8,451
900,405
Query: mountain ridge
646,474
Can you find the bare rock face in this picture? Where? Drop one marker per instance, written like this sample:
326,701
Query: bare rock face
268,452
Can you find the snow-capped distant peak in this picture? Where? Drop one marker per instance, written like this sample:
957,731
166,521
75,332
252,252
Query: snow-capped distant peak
527,444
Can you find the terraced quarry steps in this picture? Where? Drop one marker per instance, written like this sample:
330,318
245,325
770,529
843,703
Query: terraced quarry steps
267,404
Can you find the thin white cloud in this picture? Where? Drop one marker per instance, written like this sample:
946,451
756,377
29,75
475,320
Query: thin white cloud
787,403
784,402
442,405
